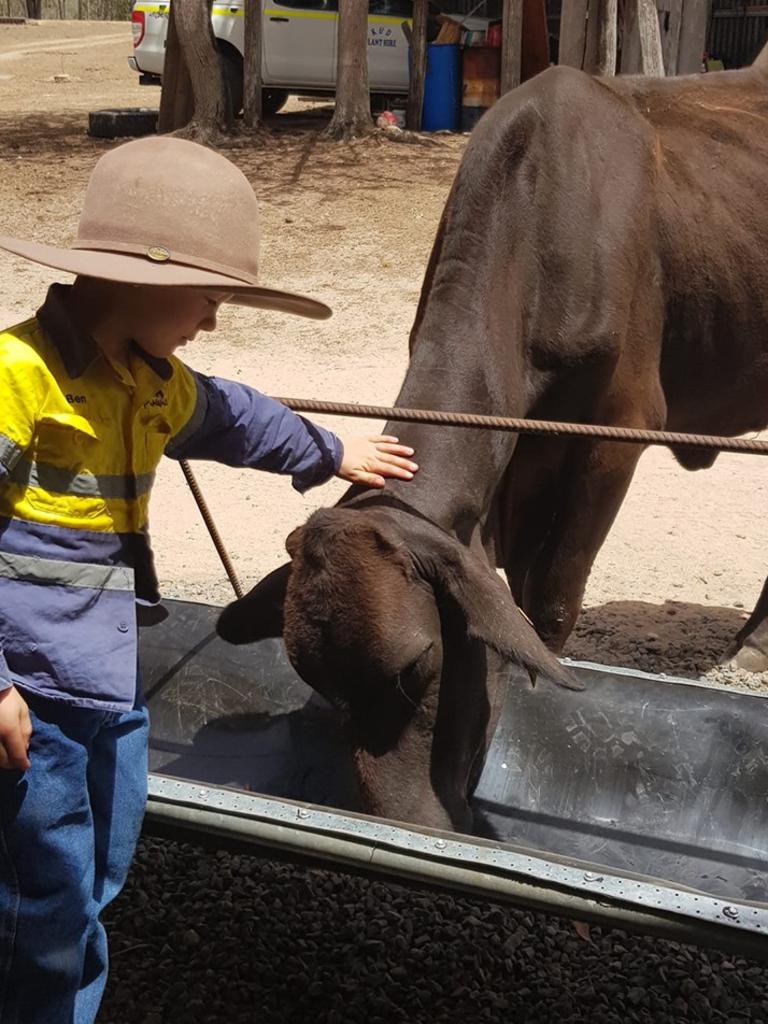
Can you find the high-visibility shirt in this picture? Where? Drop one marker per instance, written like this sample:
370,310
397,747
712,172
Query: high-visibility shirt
80,439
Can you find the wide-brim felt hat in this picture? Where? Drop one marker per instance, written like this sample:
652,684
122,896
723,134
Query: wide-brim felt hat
166,212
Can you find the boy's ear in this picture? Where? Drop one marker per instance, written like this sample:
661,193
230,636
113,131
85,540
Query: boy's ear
259,614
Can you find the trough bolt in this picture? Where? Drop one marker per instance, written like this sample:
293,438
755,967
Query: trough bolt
441,844
590,876
731,912
303,812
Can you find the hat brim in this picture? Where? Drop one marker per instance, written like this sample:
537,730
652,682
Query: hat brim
126,268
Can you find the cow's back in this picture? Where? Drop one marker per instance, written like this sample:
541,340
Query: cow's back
549,213
711,191
577,185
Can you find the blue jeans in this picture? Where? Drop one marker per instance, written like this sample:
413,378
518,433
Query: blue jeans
68,830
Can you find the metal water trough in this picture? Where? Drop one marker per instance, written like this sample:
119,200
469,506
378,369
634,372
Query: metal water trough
641,803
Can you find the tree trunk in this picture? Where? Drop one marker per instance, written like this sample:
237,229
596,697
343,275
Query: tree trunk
418,65
252,65
176,102
212,114
511,44
352,113
33,9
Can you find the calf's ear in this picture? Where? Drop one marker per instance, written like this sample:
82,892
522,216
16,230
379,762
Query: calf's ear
487,605
259,614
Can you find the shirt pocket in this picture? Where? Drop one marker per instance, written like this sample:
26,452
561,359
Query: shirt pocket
157,431
57,471
69,628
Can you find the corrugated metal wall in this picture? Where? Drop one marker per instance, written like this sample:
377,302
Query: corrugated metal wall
737,31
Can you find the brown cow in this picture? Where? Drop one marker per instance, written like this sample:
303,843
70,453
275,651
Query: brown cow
600,259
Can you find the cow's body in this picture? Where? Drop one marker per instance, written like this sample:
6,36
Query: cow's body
618,275
600,259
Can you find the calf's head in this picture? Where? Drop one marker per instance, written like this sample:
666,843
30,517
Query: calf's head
368,606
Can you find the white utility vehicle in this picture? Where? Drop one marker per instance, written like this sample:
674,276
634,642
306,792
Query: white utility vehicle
299,41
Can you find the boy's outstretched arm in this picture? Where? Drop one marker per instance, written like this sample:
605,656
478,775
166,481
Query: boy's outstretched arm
368,460
234,424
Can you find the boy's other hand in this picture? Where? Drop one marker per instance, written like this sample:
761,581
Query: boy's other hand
368,460
15,730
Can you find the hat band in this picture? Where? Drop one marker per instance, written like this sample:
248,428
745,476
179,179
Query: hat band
158,253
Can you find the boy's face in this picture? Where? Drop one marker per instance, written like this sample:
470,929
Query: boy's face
163,319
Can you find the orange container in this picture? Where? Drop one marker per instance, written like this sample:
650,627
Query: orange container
481,72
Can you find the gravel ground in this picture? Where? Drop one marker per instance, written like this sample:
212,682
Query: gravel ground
234,939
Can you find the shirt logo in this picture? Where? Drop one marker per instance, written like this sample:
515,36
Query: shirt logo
158,400
76,399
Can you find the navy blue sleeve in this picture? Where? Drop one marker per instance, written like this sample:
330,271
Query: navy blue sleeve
238,426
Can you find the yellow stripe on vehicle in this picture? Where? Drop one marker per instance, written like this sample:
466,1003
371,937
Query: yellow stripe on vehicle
322,15
238,12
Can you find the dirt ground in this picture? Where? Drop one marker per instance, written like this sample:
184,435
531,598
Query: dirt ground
353,225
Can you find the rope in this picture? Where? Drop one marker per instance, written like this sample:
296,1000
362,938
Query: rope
631,435
205,512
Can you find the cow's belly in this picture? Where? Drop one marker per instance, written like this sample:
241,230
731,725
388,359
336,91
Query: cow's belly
716,383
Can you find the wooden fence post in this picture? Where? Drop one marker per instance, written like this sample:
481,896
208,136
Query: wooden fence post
693,36
630,40
672,18
607,30
592,41
418,65
651,57
252,64
511,44
573,33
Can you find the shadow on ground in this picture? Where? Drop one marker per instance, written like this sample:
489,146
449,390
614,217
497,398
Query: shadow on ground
674,637
289,152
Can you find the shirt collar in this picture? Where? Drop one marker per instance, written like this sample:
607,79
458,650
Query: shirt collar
76,346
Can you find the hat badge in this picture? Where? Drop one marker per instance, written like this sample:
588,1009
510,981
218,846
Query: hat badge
158,253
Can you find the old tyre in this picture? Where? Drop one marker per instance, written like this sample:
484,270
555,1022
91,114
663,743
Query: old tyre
272,100
114,124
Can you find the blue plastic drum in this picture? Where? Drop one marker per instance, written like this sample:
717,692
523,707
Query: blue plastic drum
442,88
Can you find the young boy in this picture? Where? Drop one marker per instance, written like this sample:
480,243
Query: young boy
91,396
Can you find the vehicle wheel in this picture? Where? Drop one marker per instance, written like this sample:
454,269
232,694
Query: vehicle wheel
273,100
232,65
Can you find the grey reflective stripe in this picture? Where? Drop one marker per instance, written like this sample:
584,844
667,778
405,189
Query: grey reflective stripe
10,452
82,485
194,422
67,574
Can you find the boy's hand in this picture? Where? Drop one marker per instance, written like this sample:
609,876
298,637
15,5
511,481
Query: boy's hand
15,730
368,460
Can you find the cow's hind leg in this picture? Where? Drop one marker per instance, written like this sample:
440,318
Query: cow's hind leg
749,649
